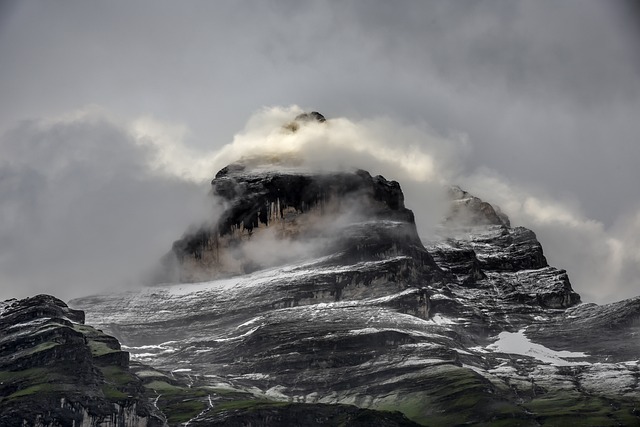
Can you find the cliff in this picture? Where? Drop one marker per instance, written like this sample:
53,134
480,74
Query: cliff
274,217
54,369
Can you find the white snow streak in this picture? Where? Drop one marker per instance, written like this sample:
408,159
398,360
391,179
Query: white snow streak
518,343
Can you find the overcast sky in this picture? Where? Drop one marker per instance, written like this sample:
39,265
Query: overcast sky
104,107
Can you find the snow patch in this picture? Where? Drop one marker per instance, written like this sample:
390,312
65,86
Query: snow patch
249,332
442,320
518,343
276,393
249,322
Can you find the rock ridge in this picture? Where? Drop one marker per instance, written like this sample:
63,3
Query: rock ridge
55,370
351,215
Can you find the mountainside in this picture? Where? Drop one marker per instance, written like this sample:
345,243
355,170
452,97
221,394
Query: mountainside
54,369
472,327
57,371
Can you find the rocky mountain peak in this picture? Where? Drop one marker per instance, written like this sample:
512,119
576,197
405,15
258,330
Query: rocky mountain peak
304,118
466,209
471,327
344,214
39,306
314,115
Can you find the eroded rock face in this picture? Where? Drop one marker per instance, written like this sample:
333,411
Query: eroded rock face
54,370
377,320
273,218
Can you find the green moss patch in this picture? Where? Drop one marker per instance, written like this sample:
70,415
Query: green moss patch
165,387
119,383
248,405
85,329
117,376
179,412
450,395
24,375
100,349
17,384
35,389
42,347
113,393
565,408
178,403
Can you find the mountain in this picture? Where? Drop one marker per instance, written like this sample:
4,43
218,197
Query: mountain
347,306
311,300
57,371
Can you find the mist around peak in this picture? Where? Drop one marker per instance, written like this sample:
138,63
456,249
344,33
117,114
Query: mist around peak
89,200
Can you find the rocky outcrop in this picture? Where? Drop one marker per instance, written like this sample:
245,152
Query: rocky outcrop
274,217
54,370
610,331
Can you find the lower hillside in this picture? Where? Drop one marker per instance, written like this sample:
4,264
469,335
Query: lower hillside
57,371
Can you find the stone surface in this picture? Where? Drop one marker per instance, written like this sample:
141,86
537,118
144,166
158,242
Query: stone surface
274,217
54,370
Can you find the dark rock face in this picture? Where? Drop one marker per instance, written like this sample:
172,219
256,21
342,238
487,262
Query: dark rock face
314,115
355,215
611,329
54,370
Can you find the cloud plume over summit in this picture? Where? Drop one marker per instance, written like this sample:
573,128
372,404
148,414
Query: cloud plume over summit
89,202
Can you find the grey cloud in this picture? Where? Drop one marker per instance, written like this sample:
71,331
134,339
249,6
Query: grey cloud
546,91
81,212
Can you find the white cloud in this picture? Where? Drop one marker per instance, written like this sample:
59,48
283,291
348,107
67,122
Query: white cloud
83,207
381,145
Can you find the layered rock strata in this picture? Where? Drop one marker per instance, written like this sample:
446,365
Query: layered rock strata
274,217
55,370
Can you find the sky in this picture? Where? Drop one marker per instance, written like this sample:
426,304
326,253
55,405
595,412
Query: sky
114,116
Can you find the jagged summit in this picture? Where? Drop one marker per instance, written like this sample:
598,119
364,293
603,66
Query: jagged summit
349,215
467,209
305,118
314,115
